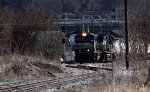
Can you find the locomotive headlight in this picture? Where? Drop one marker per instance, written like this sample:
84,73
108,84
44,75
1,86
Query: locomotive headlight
61,59
88,50
84,34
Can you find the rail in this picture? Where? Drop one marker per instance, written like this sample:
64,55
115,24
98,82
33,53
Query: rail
47,84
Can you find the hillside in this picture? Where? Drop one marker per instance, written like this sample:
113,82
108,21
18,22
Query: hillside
63,7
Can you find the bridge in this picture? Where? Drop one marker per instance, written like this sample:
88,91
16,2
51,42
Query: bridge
90,24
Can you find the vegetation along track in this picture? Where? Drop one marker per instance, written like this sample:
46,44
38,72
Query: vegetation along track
53,83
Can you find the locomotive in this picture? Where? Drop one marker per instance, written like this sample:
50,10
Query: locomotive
88,47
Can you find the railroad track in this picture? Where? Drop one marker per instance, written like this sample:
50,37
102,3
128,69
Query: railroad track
48,84
91,67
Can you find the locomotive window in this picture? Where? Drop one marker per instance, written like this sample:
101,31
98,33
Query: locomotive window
80,39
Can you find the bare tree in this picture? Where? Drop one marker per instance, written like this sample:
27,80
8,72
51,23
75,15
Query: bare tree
139,27
4,32
26,28
49,44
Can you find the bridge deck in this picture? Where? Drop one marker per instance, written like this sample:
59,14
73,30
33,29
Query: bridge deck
91,25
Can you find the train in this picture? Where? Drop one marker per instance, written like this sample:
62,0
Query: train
88,47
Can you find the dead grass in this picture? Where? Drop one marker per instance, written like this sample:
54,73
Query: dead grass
133,83
17,67
118,86
52,67
55,63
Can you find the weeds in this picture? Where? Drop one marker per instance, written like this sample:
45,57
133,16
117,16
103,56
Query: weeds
17,67
123,86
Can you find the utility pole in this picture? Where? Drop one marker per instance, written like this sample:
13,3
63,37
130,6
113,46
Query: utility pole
126,34
60,9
